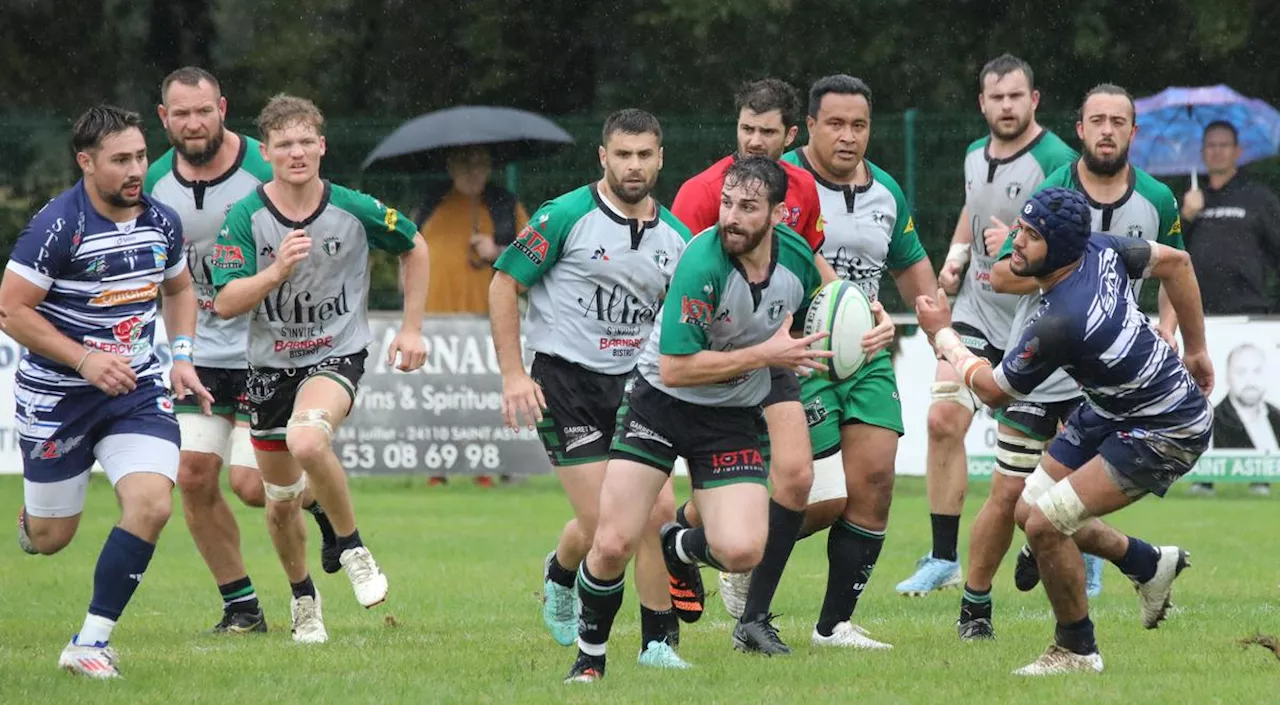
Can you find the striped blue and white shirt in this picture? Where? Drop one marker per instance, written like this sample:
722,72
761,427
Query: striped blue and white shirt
103,281
1090,326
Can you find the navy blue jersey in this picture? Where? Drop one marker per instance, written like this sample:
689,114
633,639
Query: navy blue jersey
1090,326
103,280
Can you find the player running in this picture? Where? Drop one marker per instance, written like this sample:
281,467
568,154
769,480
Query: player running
700,380
296,251
80,292
1123,200
1000,171
1145,423
596,263
207,170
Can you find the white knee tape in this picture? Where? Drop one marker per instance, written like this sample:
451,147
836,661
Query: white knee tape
242,448
285,493
1020,455
1063,508
1037,484
312,418
954,392
204,434
828,479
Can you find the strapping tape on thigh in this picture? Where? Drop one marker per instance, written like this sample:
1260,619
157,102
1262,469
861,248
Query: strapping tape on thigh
1018,453
953,391
312,418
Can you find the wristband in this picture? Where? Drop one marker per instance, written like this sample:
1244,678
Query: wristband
182,348
959,253
87,353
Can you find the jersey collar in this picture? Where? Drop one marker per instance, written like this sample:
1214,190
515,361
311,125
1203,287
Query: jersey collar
296,224
235,166
850,192
1079,186
757,289
638,227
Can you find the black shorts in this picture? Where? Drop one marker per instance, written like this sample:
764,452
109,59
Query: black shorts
783,386
721,444
1039,421
582,407
271,391
226,386
977,343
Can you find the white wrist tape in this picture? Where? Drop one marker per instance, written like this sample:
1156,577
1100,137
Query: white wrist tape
948,342
959,254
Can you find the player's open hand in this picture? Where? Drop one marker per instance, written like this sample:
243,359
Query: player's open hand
782,350
185,381
1201,369
295,247
412,348
881,336
933,314
521,395
110,373
994,237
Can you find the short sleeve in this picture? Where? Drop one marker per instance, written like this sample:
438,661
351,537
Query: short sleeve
234,254
175,248
1170,222
385,228
904,242
1042,350
811,225
694,291
43,250
537,247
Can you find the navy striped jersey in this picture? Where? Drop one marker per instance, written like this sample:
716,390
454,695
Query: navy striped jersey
1089,325
103,280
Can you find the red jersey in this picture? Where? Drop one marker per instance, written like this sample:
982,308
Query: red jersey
697,204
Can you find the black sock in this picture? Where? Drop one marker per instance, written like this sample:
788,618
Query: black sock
658,626
559,574
303,588
346,543
976,604
852,552
601,600
1139,560
680,517
322,521
784,527
946,529
239,596
693,544
1076,638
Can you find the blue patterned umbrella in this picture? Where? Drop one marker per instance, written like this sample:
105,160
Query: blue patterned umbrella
1171,127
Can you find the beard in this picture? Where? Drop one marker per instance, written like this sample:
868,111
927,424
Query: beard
202,156
1010,133
750,242
1106,166
118,199
629,193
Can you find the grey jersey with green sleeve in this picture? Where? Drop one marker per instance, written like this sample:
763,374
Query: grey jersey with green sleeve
321,310
712,306
999,187
595,277
867,229
202,206
1147,211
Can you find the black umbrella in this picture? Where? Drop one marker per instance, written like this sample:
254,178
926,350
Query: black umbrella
511,135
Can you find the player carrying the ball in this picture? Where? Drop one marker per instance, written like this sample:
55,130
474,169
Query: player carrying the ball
1145,422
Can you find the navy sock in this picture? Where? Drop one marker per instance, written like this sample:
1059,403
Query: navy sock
1139,560
303,588
348,542
1077,637
120,568
946,529
559,574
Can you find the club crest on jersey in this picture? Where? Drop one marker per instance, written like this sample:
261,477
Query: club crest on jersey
1012,190
661,258
331,245
878,216
1134,230
775,310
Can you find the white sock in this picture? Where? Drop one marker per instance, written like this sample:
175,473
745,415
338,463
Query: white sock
96,630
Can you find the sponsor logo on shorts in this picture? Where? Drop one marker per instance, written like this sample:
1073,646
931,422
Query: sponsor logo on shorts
1026,408
815,412
53,448
164,404
644,433
117,297
580,436
734,461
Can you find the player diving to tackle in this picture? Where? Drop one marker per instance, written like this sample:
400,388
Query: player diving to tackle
1145,422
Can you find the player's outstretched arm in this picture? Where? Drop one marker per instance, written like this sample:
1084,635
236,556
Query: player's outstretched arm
712,366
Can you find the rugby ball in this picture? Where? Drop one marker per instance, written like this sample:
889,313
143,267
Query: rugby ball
843,311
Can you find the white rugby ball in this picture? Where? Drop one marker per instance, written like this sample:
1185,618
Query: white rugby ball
841,310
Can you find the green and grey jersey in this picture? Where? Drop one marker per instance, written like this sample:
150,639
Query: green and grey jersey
999,187
1148,210
712,306
202,206
320,311
595,277
867,229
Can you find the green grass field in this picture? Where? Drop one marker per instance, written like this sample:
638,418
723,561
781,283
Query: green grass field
463,623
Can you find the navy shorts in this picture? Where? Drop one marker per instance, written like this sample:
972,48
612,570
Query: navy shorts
1147,454
58,430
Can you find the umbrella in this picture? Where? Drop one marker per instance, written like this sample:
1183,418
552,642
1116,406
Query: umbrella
510,134
1171,127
